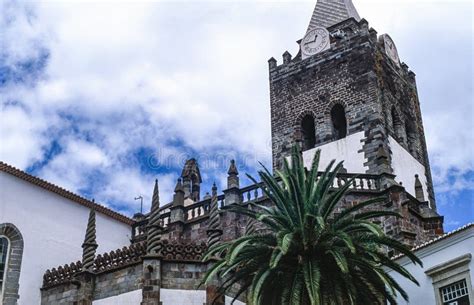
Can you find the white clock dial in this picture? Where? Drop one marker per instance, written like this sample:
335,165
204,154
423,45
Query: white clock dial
391,49
315,41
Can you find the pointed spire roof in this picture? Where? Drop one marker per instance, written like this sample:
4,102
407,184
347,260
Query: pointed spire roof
179,186
155,200
90,244
419,194
214,230
329,12
154,228
214,189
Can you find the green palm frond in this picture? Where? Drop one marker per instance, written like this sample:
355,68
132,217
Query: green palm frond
304,253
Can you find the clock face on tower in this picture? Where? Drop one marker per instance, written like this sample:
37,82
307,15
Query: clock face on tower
391,49
315,41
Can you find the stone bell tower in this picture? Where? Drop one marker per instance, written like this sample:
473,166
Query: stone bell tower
347,93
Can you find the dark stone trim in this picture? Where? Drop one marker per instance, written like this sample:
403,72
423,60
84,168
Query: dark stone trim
12,283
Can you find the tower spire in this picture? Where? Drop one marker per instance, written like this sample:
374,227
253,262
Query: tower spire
329,12
154,227
90,245
214,231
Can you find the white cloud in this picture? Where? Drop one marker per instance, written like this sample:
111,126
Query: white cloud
155,74
19,136
129,183
72,167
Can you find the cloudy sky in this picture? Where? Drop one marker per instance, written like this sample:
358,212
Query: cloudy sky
102,97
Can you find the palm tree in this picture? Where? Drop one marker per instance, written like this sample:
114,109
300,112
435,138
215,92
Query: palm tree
304,252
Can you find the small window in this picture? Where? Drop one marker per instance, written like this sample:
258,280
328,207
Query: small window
308,132
3,262
339,123
455,294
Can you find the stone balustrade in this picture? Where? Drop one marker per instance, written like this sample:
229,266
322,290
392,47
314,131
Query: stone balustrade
253,193
202,208
360,183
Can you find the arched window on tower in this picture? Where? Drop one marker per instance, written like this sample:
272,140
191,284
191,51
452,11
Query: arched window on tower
4,245
397,125
308,132
339,123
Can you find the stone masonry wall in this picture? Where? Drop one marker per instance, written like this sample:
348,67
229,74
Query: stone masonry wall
344,75
398,89
106,284
120,281
60,295
174,275
182,275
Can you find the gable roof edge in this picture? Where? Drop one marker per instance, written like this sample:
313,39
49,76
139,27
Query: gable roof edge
4,167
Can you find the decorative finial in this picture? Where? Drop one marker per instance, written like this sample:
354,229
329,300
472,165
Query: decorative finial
155,200
232,168
154,228
90,244
213,232
419,194
178,198
179,186
233,176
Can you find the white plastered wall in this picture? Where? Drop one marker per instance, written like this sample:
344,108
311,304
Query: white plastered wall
405,167
178,297
167,297
436,254
129,298
187,297
53,230
348,149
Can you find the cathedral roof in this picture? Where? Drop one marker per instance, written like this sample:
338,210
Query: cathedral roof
4,167
329,12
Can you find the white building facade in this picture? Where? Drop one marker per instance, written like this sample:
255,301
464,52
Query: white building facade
42,224
447,272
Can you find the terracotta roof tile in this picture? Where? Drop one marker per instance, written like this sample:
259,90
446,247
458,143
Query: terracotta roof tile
434,240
